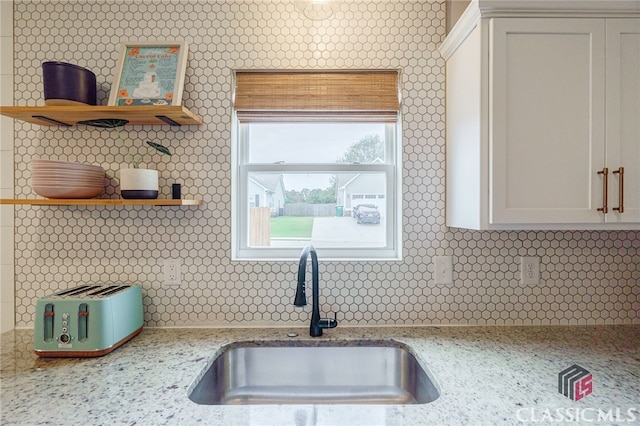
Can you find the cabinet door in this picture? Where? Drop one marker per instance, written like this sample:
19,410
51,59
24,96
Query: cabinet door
623,117
547,120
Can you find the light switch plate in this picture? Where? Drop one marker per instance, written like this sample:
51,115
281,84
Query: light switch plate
443,267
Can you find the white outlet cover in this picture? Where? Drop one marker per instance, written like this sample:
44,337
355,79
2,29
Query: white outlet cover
172,272
529,270
443,269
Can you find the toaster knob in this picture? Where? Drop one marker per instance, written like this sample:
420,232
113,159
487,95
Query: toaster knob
64,338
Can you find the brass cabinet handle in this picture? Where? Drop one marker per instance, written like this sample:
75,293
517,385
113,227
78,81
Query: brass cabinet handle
620,207
605,195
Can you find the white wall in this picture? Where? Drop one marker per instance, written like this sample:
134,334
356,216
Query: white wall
455,8
7,299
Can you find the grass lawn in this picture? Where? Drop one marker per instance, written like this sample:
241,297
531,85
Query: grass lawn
291,227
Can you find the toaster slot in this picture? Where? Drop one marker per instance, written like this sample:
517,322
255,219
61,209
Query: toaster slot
106,291
48,322
76,290
83,322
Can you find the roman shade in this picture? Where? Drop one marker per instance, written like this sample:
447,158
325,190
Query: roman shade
317,95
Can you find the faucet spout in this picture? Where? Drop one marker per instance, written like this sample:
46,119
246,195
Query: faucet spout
317,323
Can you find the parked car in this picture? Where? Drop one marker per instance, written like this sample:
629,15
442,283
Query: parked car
354,212
366,214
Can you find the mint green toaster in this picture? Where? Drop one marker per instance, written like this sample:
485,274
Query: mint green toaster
87,320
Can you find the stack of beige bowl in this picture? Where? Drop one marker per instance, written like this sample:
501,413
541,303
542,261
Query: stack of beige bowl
61,179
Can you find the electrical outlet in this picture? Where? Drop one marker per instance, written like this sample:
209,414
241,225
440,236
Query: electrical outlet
172,273
443,266
529,270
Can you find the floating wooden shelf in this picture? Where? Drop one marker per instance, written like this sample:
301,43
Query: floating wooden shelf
101,202
71,115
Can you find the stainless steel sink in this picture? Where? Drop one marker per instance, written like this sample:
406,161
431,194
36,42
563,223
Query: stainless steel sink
362,373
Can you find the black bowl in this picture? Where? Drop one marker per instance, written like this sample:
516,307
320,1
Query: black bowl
68,84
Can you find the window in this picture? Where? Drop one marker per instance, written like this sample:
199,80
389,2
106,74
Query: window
314,162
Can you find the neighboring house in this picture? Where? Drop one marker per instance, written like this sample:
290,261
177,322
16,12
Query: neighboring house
361,189
267,190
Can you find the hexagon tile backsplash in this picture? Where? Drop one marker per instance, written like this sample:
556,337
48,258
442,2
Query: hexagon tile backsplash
586,277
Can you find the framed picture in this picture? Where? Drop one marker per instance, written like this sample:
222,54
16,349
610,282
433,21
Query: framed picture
150,73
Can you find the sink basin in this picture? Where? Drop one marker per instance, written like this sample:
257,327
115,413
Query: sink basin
361,373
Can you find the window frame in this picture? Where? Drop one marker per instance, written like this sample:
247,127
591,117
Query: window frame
275,97
241,169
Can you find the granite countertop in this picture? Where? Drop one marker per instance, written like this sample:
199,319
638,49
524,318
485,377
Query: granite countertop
485,375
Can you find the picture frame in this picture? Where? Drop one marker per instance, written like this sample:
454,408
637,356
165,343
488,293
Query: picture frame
149,74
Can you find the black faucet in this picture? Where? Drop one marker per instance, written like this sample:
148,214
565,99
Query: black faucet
317,323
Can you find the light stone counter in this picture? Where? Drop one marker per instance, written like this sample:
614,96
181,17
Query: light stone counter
486,375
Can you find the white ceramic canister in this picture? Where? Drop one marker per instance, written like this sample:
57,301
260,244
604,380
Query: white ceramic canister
139,183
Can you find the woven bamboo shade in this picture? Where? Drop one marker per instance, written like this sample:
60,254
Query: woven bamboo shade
317,95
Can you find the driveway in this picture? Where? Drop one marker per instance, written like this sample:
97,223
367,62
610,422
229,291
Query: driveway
338,232
344,231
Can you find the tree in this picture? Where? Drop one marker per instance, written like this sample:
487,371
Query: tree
365,151
322,196
294,197
311,196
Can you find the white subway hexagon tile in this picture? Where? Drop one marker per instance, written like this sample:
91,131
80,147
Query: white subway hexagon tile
221,47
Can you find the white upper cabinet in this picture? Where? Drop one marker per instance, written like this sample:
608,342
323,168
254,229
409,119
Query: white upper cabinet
547,121
542,108
623,119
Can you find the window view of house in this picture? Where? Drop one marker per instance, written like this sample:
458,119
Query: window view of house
320,183
323,216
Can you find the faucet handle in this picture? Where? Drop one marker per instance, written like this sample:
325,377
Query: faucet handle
329,322
301,295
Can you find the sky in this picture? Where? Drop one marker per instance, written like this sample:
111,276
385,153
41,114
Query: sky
306,142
